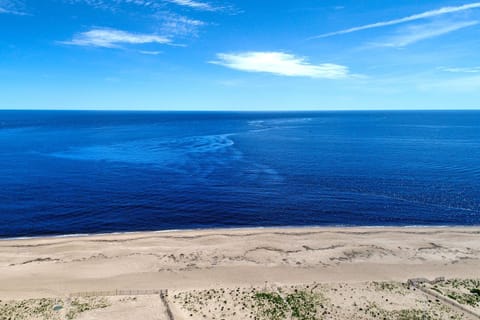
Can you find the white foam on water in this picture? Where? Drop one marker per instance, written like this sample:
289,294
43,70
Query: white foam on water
286,227
165,153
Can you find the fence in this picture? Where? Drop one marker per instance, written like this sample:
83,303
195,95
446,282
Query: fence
119,293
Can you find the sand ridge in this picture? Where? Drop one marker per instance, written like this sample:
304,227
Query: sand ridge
185,260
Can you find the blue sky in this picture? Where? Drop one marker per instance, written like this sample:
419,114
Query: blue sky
239,55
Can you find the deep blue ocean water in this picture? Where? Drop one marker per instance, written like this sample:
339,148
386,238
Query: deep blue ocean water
69,172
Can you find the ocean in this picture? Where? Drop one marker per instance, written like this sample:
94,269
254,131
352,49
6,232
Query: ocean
81,172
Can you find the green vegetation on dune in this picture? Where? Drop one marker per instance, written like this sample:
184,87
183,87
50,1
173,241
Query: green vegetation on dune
377,312
475,291
301,305
271,305
22,310
49,309
276,304
464,291
78,306
369,301
465,298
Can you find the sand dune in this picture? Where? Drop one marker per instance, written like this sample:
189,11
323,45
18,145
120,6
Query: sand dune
186,260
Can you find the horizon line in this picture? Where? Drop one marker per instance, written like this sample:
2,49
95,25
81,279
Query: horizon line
237,110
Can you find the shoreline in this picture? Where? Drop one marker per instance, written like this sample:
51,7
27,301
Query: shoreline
332,227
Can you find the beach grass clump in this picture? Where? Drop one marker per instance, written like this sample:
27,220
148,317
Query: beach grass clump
464,291
28,309
437,289
368,301
276,303
475,291
49,308
218,303
390,286
470,299
303,305
300,305
463,283
412,314
80,305
270,305
376,312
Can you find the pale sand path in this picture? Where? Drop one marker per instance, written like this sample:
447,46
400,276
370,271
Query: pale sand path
184,260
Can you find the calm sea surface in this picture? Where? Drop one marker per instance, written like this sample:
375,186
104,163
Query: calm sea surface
93,172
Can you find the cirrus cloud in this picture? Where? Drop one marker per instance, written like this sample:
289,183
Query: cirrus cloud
14,7
414,17
194,4
460,69
112,38
114,4
415,33
177,25
280,63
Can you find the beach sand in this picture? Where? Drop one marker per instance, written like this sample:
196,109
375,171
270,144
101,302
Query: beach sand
192,261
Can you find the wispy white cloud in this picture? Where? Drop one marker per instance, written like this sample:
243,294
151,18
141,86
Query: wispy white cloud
112,38
460,70
194,4
99,4
420,16
223,6
149,52
12,7
177,25
161,14
114,4
172,26
415,33
280,63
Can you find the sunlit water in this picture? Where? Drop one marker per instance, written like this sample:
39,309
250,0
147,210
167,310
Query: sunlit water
93,172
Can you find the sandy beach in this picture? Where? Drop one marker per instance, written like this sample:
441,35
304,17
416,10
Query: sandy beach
190,261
